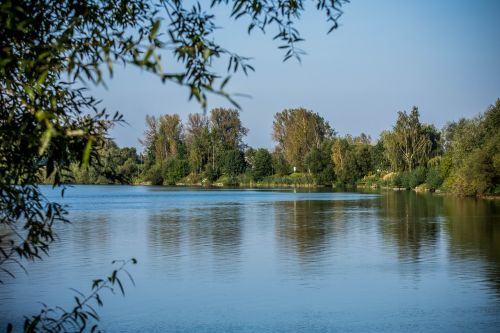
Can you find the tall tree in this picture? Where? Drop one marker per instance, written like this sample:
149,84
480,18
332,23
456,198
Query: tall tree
473,147
298,130
262,164
150,141
227,129
197,141
170,136
409,142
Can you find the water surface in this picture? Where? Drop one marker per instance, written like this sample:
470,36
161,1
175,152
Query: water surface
273,261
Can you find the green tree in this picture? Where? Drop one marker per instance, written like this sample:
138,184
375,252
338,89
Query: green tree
344,161
408,142
226,134
174,170
117,165
233,163
170,136
150,141
197,142
227,129
352,157
280,164
262,164
298,130
473,148
380,161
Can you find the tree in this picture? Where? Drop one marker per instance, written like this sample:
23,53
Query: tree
226,134
352,157
197,141
380,161
262,164
227,129
169,136
233,163
280,165
174,170
472,146
409,142
163,137
49,46
116,165
298,130
150,139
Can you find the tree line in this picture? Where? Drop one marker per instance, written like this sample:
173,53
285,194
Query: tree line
462,158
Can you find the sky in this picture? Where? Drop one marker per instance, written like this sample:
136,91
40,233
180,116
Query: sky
442,56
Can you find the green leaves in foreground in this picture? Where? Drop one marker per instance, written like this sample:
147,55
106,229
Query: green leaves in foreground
83,317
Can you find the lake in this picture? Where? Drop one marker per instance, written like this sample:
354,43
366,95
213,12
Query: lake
236,260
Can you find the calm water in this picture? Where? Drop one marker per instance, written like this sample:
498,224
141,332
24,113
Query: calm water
273,261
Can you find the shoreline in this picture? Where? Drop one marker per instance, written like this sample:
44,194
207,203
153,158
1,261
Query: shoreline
219,185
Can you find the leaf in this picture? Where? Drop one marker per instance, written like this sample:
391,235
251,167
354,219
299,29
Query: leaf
206,53
45,139
224,82
86,153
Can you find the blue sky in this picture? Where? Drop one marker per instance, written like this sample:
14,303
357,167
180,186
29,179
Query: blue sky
442,56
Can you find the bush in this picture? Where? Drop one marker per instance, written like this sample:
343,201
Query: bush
154,175
417,177
326,176
233,163
175,170
211,173
397,180
228,180
280,165
263,164
434,179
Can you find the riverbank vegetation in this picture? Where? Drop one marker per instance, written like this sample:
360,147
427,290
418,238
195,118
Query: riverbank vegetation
462,158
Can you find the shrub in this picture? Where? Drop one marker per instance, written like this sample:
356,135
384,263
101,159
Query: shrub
263,164
175,170
434,179
211,173
233,163
396,180
326,176
416,177
154,175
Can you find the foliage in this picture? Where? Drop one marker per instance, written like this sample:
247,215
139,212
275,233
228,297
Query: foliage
233,163
468,165
210,145
198,142
83,313
162,138
174,170
226,129
417,176
117,165
473,152
280,164
154,174
298,130
211,173
409,144
380,161
433,179
262,164
352,159
313,161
